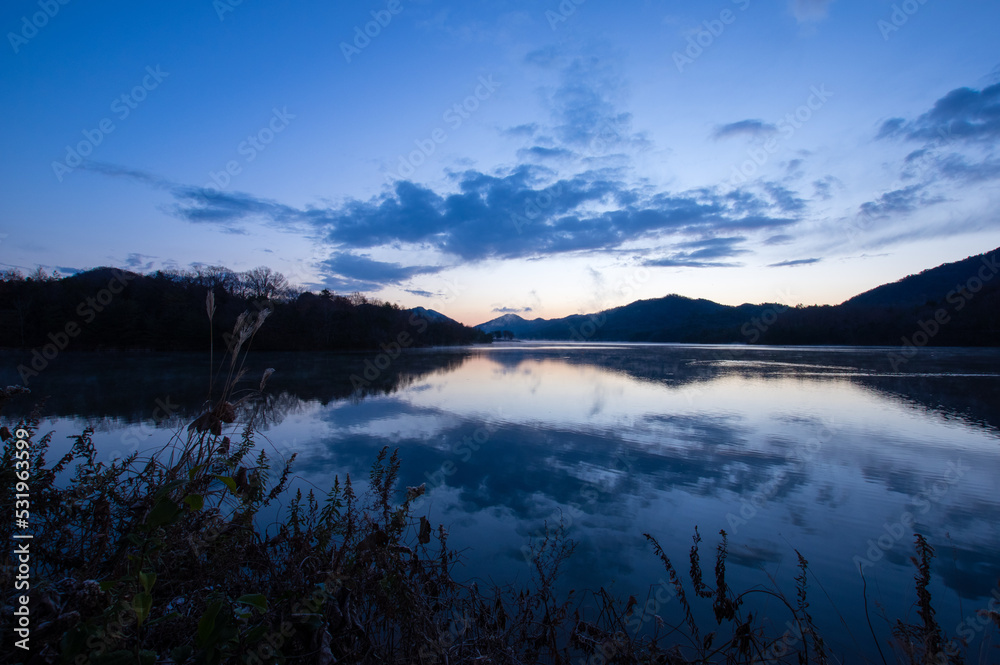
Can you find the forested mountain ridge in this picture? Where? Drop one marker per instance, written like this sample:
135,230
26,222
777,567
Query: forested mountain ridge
954,304
106,308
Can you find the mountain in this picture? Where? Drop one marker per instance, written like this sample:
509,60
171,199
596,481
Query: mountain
953,304
933,284
672,318
432,315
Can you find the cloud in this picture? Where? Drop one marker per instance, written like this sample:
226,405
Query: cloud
957,138
584,103
752,128
958,167
541,152
511,310
140,262
962,115
421,293
900,201
784,198
526,130
522,213
824,185
810,10
796,262
782,239
702,254
345,271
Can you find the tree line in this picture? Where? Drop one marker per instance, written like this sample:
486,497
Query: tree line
106,308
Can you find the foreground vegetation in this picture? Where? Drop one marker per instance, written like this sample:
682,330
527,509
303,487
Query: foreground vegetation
168,558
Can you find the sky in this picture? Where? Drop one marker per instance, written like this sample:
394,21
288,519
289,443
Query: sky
540,158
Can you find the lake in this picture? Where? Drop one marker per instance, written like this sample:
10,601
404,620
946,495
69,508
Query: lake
839,453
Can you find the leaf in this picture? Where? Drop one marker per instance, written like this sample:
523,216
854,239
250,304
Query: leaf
142,604
194,471
163,512
107,585
196,501
258,600
120,657
180,654
147,580
206,624
229,482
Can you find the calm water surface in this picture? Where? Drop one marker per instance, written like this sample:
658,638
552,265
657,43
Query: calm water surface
828,451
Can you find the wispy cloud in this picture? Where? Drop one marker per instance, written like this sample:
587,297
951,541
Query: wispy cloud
753,128
903,200
511,310
704,253
795,262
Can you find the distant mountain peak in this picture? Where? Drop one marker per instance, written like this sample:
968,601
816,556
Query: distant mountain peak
431,315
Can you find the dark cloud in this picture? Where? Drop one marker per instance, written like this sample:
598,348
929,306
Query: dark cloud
541,152
784,198
752,128
781,239
421,293
523,213
904,200
140,262
702,254
351,269
824,185
966,120
958,167
964,114
793,169
795,262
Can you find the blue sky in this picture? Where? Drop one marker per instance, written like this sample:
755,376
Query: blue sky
544,158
